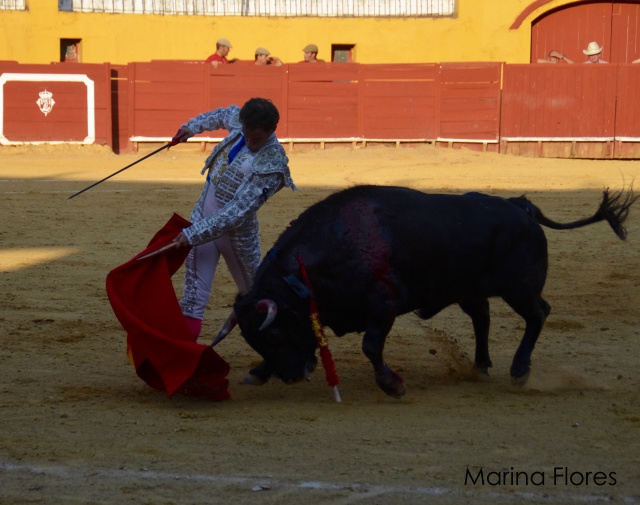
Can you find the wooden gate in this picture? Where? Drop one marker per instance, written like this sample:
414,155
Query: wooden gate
613,25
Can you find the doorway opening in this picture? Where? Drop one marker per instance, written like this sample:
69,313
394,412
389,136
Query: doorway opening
70,50
342,53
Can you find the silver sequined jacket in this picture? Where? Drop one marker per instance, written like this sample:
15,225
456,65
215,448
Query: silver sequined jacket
240,197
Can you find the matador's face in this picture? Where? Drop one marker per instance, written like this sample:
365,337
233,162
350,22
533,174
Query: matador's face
256,138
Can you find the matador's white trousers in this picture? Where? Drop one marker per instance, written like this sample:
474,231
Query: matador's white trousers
239,247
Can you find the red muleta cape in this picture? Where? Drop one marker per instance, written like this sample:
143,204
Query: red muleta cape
159,343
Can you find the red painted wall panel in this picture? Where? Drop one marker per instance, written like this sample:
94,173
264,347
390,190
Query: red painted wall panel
562,101
628,102
67,120
235,84
469,100
70,119
323,100
164,94
625,32
398,101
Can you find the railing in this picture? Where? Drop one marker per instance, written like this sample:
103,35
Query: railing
13,5
283,8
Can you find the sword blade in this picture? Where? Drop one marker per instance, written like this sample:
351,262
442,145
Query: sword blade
121,170
157,251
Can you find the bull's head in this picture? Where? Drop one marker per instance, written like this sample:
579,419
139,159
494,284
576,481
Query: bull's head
280,333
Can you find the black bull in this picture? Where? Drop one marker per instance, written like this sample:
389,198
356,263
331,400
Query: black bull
374,253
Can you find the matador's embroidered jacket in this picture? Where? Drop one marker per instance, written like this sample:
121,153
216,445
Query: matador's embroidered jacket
240,196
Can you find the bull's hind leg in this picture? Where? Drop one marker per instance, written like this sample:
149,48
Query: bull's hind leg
478,310
534,312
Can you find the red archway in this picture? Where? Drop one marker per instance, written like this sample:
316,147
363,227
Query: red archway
569,28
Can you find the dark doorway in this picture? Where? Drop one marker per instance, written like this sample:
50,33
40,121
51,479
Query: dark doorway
342,53
70,50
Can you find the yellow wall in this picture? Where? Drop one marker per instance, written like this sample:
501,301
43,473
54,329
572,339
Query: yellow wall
479,32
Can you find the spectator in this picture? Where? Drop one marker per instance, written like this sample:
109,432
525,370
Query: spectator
263,57
555,57
311,54
594,52
223,46
243,172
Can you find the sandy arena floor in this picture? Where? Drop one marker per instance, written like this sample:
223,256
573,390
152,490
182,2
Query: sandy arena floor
77,426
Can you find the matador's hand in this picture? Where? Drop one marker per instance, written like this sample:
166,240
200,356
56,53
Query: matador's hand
182,135
181,241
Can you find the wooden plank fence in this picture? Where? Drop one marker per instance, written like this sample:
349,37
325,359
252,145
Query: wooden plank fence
580,111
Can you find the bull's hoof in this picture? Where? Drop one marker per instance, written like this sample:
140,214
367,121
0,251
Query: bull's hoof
397,392
252,380
520,372
480,373
392,384
258,375
520,381
483,366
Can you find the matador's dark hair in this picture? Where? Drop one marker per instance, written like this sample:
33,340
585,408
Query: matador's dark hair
259,113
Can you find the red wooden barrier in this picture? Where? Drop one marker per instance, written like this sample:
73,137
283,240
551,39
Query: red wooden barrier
559,111
542,110
469,104
164,94
55,103
235,84
323,100
398,101
627,125
120,108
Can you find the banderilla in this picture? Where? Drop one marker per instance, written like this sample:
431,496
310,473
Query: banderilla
121,170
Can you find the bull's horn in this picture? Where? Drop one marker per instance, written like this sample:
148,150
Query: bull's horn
271,308
229,325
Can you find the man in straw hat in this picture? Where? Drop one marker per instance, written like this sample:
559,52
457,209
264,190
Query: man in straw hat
223,46
594,51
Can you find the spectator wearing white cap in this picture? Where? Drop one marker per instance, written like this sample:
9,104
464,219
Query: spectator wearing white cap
223,46
594,52
263,57
311,54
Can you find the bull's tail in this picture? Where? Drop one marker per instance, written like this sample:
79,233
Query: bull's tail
614,208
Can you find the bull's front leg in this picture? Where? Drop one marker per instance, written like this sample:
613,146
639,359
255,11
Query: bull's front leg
378,328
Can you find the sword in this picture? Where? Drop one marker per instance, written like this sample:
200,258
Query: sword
158,251
121,170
